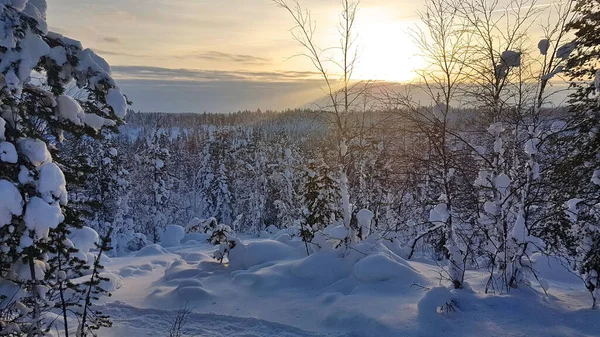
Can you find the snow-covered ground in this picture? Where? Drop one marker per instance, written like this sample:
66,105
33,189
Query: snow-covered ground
270,288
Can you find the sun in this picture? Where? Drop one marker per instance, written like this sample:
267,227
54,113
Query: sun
386,50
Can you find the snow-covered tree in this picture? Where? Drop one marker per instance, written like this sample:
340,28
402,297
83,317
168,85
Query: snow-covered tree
34,117
320,200
575,178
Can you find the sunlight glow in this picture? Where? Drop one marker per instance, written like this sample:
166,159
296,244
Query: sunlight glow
386,49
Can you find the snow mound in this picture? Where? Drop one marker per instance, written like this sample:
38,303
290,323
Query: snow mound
322,268
245,256
180,269
378,267
172,236
434,303
111,282
152,250
195,237
129,271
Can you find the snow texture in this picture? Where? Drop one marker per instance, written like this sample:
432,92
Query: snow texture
84,239
40,217
35,150
70,110
2,129
11,202
8,153
52,183
439,213
364,217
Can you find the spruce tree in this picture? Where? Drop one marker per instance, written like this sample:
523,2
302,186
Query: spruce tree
320,199
574,226
36,114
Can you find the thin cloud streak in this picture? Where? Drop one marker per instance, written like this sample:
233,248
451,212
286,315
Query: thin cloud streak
226,57
159,73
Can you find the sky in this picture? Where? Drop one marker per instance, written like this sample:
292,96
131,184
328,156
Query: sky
230,55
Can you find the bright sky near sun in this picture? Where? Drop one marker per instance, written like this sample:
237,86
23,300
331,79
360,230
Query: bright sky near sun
225,55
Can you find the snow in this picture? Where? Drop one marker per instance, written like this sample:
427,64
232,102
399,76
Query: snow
19,5
339,232
70,110
439,213
58,54
511,58
378,267
531,146
52,183
543,46
8,153
40,216
502,182
558,126
23,270
152,250
35,150
245,256
11,202
431,304
2,129
368,293
84,239
596,177
553,73
364,218
172,235
565,50
490,208
483,179
117,102
498,145
572,209
33,48
96,122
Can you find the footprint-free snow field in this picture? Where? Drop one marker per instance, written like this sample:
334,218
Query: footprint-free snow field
271,288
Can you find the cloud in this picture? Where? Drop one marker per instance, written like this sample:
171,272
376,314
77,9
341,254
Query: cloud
226,57
111,39
104,52
197,75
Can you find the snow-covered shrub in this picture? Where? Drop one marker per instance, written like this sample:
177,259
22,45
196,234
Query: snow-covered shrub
223,237
197,225
438,300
